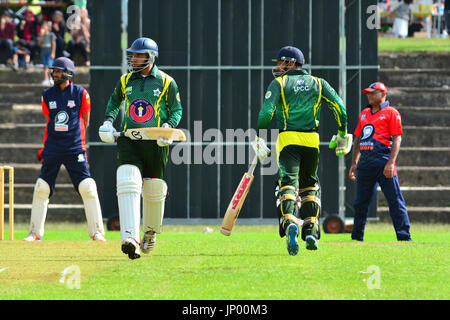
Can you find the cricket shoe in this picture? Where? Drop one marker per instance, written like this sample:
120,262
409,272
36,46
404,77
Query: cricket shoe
98,236
131,248
32,237
292,239
311,243
148,241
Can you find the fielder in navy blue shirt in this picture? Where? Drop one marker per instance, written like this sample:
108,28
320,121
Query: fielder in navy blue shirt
66,108
377,143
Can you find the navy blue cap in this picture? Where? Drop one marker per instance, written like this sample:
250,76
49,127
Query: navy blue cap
63,63
289,53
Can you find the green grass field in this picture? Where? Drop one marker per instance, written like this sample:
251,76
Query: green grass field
252,264
414,44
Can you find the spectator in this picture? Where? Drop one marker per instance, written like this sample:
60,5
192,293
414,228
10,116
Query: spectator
29,29
21,55
7,34
403,17
81,37
48,11
59,29
47,43
447,17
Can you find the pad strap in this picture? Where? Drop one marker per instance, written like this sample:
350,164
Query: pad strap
311,198
288,188
314,188
291,217
310,220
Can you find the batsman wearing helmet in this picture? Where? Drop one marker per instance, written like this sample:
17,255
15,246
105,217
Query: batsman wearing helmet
66,107
151,100
295,98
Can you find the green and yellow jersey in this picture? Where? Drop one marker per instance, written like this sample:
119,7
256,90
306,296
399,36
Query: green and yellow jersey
296,99
150,101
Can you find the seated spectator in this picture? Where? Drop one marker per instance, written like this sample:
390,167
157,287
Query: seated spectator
47,43
59,29
81,36
7,33
21,55
29,29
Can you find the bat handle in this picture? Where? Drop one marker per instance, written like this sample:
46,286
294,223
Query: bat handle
119,134
253,165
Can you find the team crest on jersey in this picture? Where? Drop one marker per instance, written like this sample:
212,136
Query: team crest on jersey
71,103
141,111
61,120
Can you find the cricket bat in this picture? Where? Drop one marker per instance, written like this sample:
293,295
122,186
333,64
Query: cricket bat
235,205
153,133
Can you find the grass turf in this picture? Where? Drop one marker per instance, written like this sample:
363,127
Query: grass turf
414,44
251,264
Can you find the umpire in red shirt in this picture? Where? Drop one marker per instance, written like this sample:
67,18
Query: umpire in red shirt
377,142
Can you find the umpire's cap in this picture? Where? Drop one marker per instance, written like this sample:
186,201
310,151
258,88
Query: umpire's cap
375,86
290,53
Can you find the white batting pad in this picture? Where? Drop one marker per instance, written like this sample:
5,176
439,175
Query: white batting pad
88,192
154,194
39,207
129,187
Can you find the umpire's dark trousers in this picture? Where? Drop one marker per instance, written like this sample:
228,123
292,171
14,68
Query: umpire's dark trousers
366,186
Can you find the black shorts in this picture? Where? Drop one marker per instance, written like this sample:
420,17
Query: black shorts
150,158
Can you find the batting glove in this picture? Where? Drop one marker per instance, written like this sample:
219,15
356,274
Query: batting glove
106,132
342,142
164,142
261,149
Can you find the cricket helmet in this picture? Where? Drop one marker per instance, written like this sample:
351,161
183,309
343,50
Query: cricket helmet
288,54
142,45
66,65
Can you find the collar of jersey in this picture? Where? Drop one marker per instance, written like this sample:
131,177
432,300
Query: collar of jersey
296,72
382,105
67,87
153,73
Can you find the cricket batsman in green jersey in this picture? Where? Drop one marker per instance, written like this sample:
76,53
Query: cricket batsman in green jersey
151,99
295,98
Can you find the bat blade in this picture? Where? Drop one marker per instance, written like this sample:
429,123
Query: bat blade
236,204
154,133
